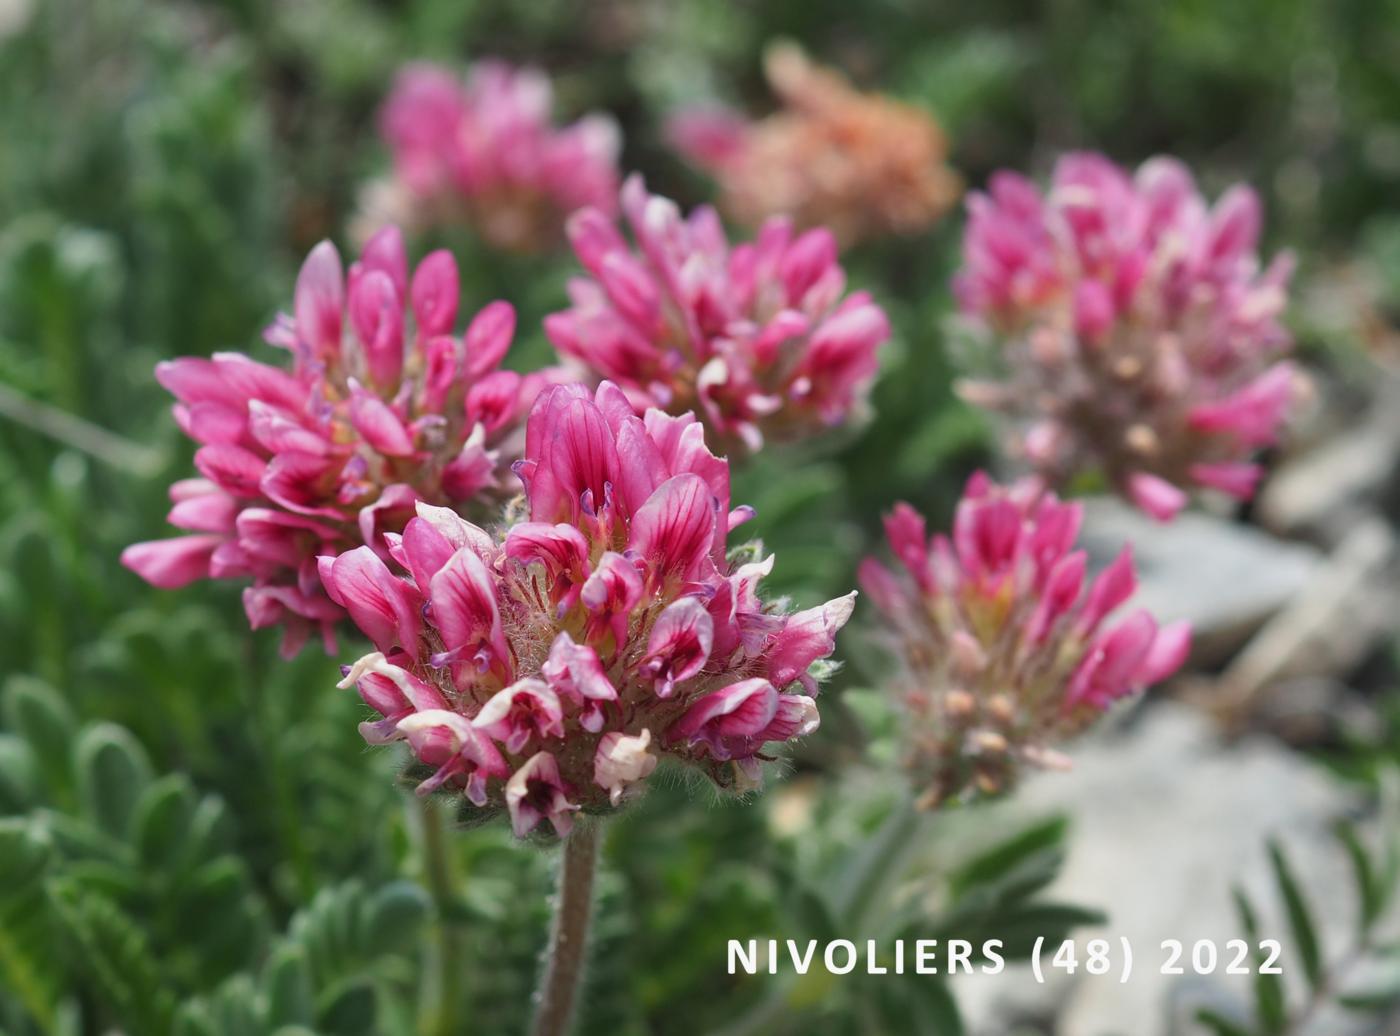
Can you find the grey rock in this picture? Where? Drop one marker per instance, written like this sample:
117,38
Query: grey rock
1167,820
1227,578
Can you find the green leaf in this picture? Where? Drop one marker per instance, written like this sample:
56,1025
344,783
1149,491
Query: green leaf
19,776
113,952
113,771
1269,1002
1019,928
1022,864
351,1011
1299,917
1372,1001
287,984
161,819
1368,892
917,1008
30,967
38,714
396,915
1219,1024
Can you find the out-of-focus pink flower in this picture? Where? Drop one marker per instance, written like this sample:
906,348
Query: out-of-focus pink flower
1004,649
864,165
1136,331
580,645
382,407
486,152
760,339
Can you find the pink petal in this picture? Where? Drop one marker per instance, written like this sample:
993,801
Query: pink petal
382,429
376,313
742,709
488,338
435,293
674,530
465,612
171,564
679,644
1156,496
1114,585
805,637
320,300
385,252
379,603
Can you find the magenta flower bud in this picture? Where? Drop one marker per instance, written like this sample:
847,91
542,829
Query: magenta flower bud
484,151
320,302
756,338
608,630
1135,331
1007,653
384,253
376,314
435,294
382,407
171,564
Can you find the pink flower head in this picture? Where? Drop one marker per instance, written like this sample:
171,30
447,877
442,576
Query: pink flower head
1004,647
381,407
863,164
1139,335
606,630
759,339
487,152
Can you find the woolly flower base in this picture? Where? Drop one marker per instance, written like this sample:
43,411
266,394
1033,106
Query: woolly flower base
486,153
383,407
545,669
1135,332
760,340
1003,651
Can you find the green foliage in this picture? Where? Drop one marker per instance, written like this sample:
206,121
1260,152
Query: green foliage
194,839
1375,874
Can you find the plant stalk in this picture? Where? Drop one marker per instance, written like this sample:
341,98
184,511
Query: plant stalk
441,1000
568,942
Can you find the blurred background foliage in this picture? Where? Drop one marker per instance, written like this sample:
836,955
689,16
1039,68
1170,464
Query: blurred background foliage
194,839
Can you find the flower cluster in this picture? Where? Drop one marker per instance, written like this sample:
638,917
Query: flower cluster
760,340
1140,336
383,407
485,152
862,164
1004,650
547,669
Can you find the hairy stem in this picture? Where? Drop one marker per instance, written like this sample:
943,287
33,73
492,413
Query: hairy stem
568,941
438,1008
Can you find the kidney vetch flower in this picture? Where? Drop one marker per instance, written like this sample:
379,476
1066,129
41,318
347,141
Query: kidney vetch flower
1136,332
1003,650
485,152
383,407
864,165
759,339
546,668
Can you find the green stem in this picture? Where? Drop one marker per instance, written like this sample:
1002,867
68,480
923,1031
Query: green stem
868,884
856,903
568,941
438,1009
